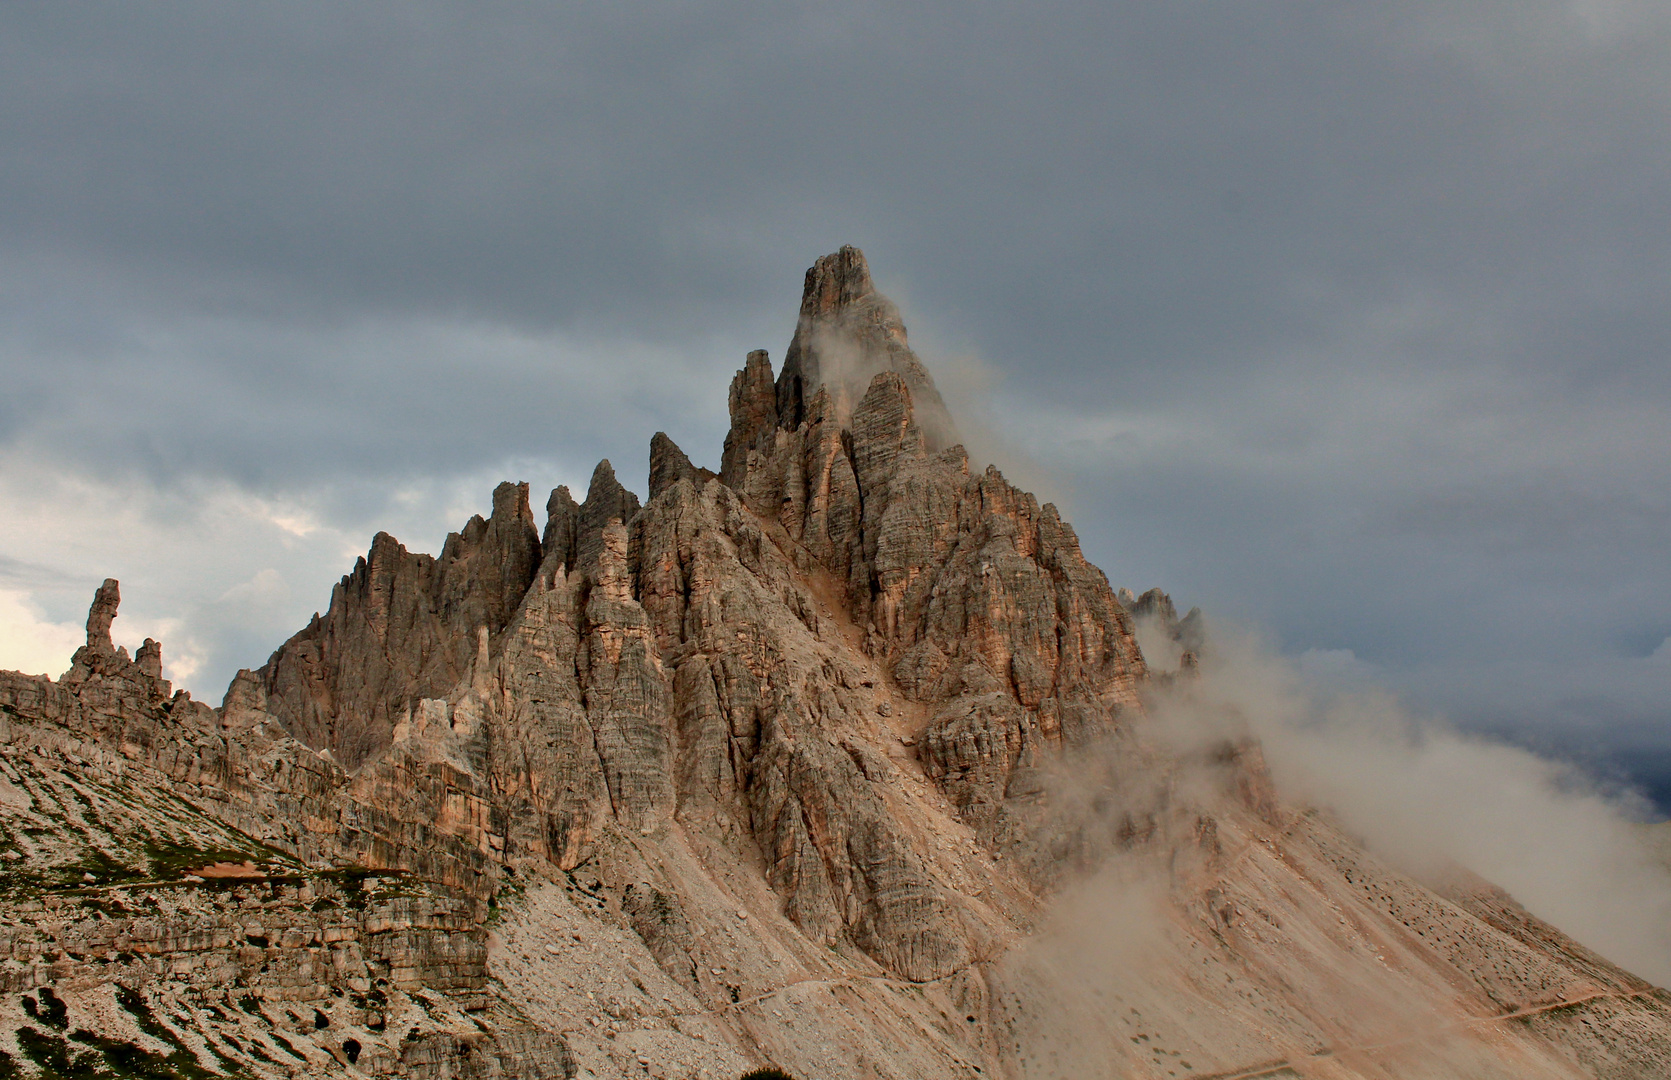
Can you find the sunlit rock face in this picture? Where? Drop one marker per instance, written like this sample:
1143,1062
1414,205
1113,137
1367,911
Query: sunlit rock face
841,759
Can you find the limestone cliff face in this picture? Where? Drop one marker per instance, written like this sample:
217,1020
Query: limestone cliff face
789,764
965,586
684,661
402,627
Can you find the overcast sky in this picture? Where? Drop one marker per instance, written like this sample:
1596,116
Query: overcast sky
1348,320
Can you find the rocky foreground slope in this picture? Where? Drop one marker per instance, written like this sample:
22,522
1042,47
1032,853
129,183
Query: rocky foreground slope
842,759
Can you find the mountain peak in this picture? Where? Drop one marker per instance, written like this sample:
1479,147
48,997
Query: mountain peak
847,334
835,281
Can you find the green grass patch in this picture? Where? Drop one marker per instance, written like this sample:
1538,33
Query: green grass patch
357,894
185,1063
55,1057
125,1059
169,860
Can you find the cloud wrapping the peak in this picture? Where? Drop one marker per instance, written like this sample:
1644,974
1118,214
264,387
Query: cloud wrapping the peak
1429,799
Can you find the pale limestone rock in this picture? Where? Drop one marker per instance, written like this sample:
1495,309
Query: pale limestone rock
753,403
561,541
402,627
101,615
606,501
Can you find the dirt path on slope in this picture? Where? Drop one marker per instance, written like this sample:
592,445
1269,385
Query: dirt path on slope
1275,1066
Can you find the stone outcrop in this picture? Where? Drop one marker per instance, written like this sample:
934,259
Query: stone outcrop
402,627
847,334
100,668
669,465
201,890
1189,632
606,501
795,763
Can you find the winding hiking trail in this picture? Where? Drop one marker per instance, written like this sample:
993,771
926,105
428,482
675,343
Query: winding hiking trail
1277,1066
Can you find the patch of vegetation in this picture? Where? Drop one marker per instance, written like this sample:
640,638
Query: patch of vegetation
351,880
361,886
19,883
53,1056
186,1064
108,869
510,894
170,860
248,846
125,1059
54,1013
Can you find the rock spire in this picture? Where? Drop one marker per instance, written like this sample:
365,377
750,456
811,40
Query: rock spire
847,334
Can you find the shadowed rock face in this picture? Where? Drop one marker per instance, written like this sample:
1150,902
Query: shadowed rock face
669,465
783,766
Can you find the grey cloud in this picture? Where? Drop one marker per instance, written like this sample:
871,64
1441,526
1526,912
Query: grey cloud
1111,162
1370,301
29,574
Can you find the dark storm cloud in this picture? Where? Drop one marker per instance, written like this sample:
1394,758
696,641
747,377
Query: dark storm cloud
1348,318
1193,178
1174,185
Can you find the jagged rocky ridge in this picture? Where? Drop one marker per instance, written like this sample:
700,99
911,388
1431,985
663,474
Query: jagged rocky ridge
796,763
